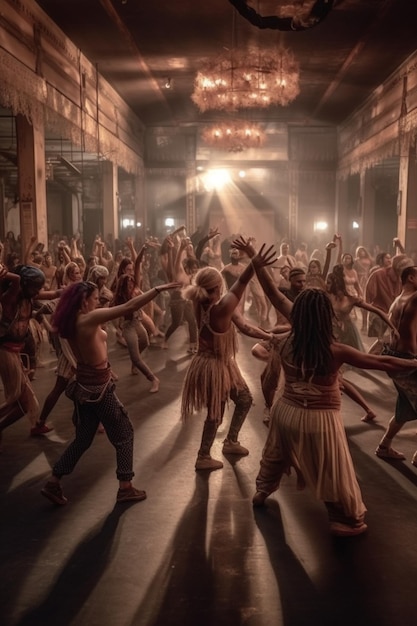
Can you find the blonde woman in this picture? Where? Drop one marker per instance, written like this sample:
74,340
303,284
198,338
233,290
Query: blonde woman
213,375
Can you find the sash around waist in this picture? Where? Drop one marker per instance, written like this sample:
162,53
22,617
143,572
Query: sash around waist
311,396
89,375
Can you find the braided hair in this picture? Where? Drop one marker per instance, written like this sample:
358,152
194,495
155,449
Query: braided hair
312,335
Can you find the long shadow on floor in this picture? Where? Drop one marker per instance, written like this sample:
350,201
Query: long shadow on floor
79,576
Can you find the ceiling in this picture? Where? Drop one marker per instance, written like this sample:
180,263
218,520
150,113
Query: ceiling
139,44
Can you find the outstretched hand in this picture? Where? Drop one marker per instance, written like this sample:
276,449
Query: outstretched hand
245,245
264,257
173,285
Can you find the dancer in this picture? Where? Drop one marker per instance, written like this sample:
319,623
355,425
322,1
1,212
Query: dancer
403,313
18,291
78,320
343,304
306,430
133,329
213,375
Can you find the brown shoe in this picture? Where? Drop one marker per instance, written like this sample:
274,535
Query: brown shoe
234,447
207,463
259,498
343,530
54,493
131,494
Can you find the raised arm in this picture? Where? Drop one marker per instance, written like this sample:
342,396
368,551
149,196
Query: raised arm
399,248
179,274
277,298
133,253
222,313
30,250
137,271
213,232
329,247
338,241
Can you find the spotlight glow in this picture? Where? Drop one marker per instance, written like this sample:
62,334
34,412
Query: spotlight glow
216,179
321,226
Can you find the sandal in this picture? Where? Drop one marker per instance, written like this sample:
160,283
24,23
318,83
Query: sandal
389,453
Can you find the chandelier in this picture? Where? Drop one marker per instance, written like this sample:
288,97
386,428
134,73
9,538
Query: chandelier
250,78
234,136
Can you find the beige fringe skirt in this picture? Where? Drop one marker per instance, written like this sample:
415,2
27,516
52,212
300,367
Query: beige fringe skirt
207,385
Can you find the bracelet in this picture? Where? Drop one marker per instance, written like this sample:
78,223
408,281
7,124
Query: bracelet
157,290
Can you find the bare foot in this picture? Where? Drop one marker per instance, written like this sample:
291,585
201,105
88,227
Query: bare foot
155,385
368,417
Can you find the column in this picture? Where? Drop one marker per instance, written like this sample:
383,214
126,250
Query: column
293,174
140,204
406,201
190,148
367,209
342,203
32,185
110,200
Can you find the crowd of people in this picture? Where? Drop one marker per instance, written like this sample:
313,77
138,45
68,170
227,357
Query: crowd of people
301,309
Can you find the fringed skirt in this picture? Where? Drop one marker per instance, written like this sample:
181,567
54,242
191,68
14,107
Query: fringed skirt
16,385
207,385
314,443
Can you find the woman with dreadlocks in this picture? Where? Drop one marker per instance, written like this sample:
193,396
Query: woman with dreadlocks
306,430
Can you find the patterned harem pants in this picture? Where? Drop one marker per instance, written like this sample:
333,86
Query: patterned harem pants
87,417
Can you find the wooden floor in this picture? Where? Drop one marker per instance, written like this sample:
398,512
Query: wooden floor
195,553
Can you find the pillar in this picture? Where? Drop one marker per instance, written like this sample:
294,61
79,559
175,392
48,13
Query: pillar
32,185
140,205
190,147
110,200
293,186
406,200
367,209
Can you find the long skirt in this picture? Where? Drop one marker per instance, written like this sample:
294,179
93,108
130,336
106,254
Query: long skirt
314,443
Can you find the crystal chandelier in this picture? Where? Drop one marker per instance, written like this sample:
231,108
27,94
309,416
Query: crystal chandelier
250,78
234,136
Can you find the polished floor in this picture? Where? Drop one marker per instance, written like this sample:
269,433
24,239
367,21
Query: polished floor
195,553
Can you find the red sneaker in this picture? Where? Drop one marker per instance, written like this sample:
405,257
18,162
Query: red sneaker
40,429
